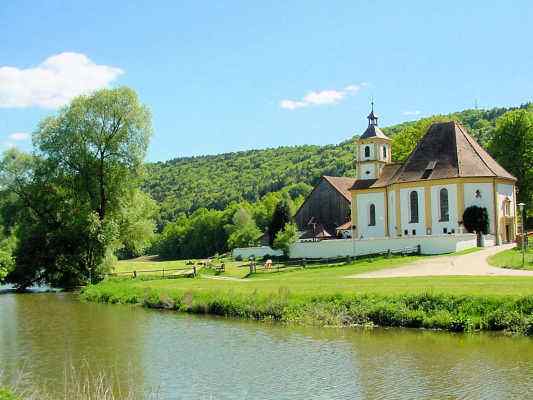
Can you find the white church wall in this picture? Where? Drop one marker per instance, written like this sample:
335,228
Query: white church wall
435,244
405,207
505,191
392,214
368,171
484,199
452,223
362,152
364,200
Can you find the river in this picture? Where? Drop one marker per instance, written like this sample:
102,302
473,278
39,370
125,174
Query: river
191,357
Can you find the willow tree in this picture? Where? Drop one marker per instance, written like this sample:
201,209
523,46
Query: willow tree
88,160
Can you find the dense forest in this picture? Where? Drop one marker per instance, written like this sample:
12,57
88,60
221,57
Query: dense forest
184,185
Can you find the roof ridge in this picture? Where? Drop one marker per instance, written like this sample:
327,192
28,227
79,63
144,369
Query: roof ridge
457,150
393,178
344,193
469,140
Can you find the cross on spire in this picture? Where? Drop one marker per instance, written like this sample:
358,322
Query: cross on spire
372,118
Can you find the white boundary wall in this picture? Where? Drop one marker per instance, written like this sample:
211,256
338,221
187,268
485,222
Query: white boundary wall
257,252
433,244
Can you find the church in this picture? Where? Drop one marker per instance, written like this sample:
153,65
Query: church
421,202
447,172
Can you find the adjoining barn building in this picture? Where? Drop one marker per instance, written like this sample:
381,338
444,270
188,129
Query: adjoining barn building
326,207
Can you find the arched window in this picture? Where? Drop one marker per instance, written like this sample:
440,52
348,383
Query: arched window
413,201
507,207
367,151
372,215
385,152
444,209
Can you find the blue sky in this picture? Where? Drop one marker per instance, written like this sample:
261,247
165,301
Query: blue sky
227,76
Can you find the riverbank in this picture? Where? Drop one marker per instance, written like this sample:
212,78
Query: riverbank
324,296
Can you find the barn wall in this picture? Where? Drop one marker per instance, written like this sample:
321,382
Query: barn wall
327,205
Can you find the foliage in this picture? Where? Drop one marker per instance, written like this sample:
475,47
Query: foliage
199,235
186,184
281,217
136,221
285,238
73,197
6,394
512,145
243,232
476,219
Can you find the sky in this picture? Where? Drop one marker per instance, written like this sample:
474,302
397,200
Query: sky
222,76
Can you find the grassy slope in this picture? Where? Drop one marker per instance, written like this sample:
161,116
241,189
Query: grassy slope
322,295
512,258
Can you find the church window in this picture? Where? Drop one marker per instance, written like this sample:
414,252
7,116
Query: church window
507,207
413,202
444,208
367,151
385,152
372,215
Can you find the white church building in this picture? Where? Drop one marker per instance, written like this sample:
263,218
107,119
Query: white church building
419,202
426,195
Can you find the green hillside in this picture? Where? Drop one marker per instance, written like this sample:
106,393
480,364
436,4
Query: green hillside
183,185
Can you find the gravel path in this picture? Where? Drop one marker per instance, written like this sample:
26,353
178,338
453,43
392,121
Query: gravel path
468,264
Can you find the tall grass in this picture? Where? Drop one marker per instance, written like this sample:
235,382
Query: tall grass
79,384
420,310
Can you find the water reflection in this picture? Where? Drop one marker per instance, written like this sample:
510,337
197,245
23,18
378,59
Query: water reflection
202,358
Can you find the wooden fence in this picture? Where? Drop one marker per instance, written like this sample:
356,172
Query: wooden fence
170,273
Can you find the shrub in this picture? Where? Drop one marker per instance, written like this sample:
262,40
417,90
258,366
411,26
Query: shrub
476,219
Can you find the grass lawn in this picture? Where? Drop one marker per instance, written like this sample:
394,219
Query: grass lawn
512,258
329,279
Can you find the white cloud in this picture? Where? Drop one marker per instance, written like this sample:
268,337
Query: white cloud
415,112
19,136
314,98
292,105
54,82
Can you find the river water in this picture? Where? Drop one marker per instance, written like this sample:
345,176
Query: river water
189,357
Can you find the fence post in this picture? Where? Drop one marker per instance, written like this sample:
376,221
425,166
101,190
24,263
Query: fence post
251,267
419,249
194,270
163,272
134,274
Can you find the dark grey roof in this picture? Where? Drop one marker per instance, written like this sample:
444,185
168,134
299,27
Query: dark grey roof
387,173
373,131
452,153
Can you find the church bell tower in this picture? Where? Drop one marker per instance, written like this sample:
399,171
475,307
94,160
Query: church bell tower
373,150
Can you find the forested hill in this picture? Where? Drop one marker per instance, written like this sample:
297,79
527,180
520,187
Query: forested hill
183,185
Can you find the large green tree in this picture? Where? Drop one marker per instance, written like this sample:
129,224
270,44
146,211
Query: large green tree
75,191
512,146
281,217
